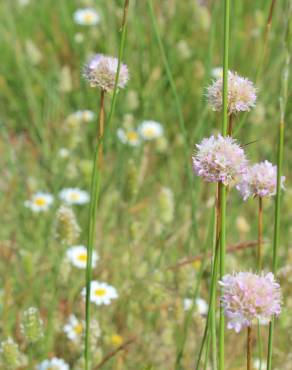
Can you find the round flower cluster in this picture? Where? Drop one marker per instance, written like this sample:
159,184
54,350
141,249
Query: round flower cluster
241,94
219,159
259,180
101,71
248,297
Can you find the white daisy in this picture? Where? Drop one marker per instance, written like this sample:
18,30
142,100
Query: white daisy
74,328
39,202
101,293
53,364
201,305
150,130
86,17
74,196
130,137
77,255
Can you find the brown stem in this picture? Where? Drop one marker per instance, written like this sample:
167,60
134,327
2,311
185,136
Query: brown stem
101,129
230,124
200,257
249,348
218,223
269,21
260,235
113,353
125,15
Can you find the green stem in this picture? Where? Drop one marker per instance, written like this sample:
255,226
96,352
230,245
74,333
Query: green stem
95,183
213,286
249,348
94,193
260,236
120,57
283,104
222,188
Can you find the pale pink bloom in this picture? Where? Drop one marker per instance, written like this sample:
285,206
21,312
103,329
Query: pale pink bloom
101,71
241,94
248,298
219,159
259,180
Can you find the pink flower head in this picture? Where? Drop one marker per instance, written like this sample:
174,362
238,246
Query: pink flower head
219,159
259,180
241,94
248,297
101,71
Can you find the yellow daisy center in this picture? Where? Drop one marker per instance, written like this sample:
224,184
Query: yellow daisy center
74,196
132,136
40,201
88,17
116,340
149,131
78,328
82,257
100,292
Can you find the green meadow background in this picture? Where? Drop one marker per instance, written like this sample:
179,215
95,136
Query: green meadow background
42,55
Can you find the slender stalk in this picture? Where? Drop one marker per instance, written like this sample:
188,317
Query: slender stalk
276,230
266,39
95,182
213,286
230,124
260,355
222,188
249,348
95,189
211,316
260,236
120,57
283,104
101,129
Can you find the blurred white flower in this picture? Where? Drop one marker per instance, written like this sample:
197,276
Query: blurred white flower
201,305
39,202
81,116
78,37
33,52
74,196
188,303
130,137
258,365
77,255
63,153
101,293
150,130
217,72
86,17
53,364
23,2
74,328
